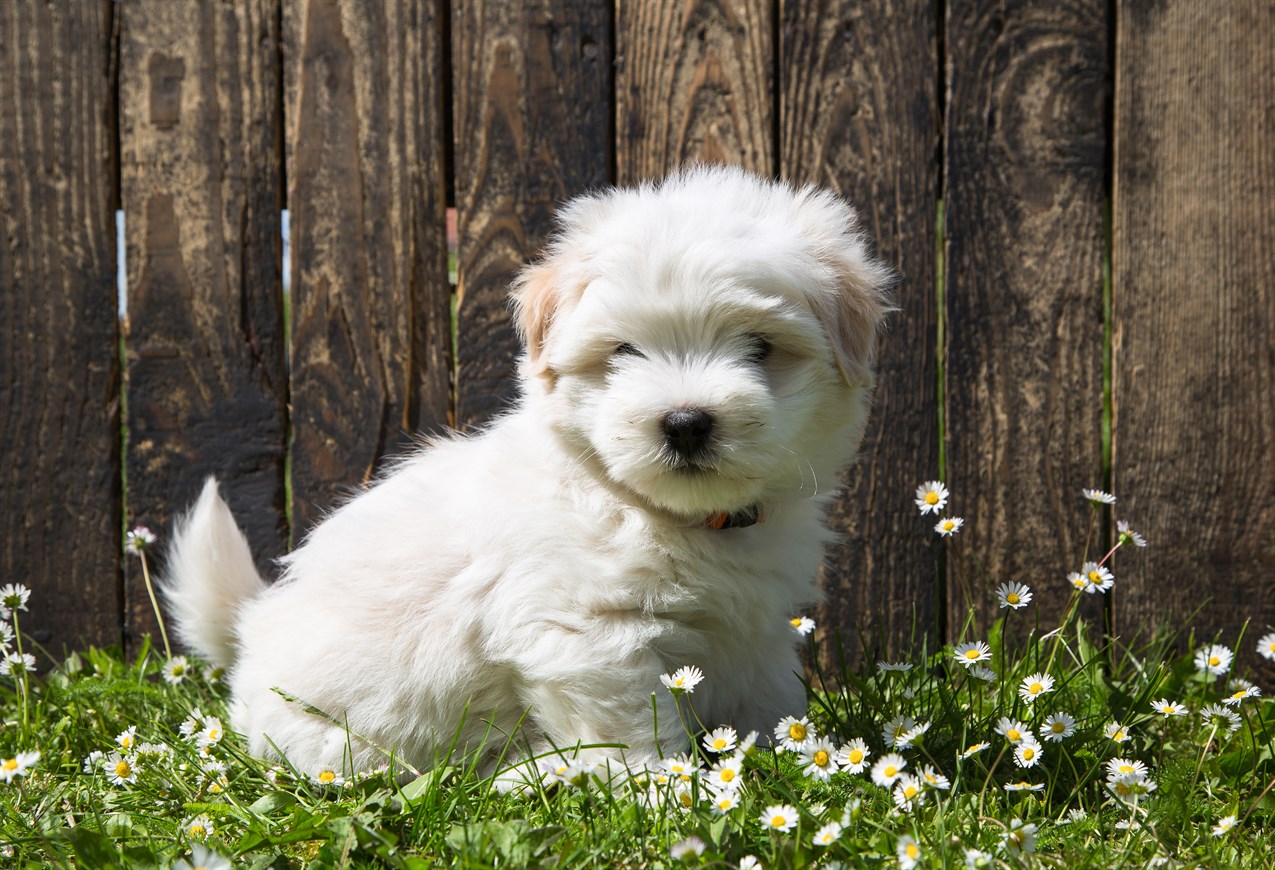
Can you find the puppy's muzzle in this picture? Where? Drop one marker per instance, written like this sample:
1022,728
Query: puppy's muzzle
687,432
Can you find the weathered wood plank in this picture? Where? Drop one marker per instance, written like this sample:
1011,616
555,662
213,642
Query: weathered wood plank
1194,315
533,124
694,82
371,346
199,134
1024,205
59,352
859,115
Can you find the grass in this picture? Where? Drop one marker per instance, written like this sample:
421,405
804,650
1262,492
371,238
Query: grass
134,770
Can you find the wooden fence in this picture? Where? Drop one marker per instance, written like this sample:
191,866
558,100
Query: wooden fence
1067,188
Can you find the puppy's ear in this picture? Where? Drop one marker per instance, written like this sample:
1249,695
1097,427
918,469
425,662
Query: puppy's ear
854,313
536,297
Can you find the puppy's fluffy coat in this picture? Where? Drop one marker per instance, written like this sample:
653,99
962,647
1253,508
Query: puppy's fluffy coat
698,357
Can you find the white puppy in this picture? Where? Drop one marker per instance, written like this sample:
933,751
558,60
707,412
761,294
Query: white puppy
698,369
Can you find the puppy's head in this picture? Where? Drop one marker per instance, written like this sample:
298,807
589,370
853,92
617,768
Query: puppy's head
708,342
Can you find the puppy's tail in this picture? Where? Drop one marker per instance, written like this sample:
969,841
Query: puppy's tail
210,574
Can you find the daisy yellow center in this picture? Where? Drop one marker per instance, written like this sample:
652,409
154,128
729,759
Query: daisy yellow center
1028,753
1095,577
1169,708
326,776
214,734
719,743
821,759
9,764
948,525
122,770
678,681
197,831
778,821
1057,727
1017,837
1079,582
1214,661
1118,736
1240,694
931,498
727,774
856,756
1014,735
890,770
1123,790
178,670
725,804
126,741
1035,688
1012,598
795,622
1126,768
972,654
910,791
912,850
797,731
685,798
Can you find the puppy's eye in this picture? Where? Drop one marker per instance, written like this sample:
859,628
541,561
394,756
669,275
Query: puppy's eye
626,349
758,348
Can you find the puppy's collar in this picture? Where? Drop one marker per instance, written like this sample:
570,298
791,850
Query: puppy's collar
749,516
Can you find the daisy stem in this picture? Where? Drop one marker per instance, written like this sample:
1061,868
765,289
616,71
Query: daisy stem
159,617
1093,518
1062,629
1109,552
1195,777
17,637
988,781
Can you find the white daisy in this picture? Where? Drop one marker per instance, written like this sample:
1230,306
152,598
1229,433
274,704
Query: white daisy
724,801
984,673
1020,837
1226,720
193,724
1012,730
14,596
176,669
818,759
888,769
1116,732
1223,825
1078,581
909,792
127,739
1128,535
949,526
1130,789
684,679
1014,595
211,734
1213,660
779,817
1097,577
749,862
894,730
853,757
909,853
1024,785
803,625
931,497
326,776
792,733
121,770
16,665
720,740
1168,708
689,848
934,779
1058,727
904,667
1034,686
1097,496
1241,694
139,540
93,761
827,835
974,749
18,765
198,828
1028,753
203,858
1125,770
727,773
970,654
1266,646
912,736
680,767
976,859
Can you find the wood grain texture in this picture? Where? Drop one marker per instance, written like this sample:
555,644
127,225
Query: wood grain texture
533,122
859,115
371,348
59,353
1194,315
1024,204
694,82
199,94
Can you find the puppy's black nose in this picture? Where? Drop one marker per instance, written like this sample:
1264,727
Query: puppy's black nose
686,430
